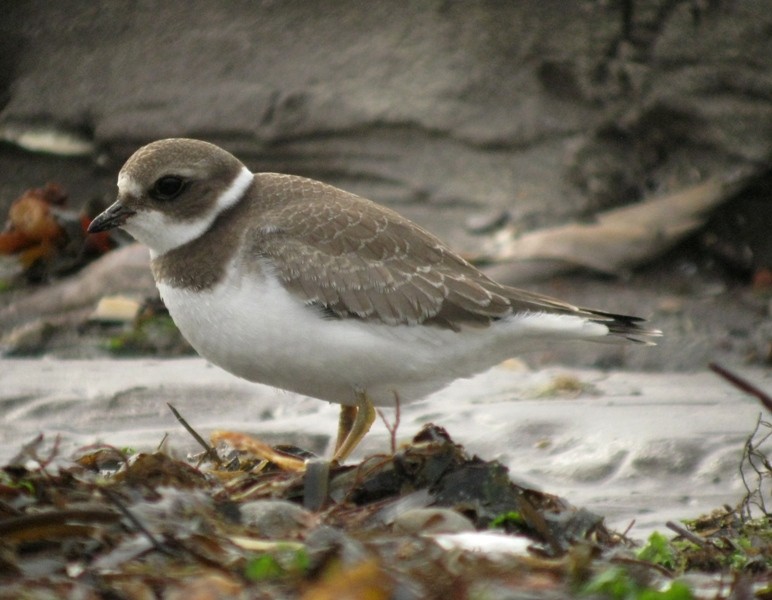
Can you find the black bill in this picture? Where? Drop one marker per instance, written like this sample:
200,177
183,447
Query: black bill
113,217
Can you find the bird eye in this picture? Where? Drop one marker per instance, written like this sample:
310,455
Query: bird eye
167,187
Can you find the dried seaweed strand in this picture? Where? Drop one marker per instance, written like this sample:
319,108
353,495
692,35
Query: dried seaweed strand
15,524
536,521
751,451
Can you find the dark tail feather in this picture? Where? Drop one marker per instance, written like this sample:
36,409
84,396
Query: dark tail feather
625,326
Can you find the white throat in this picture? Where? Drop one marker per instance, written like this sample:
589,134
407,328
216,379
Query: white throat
161,233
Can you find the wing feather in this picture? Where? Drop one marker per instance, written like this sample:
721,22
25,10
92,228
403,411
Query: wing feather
358,259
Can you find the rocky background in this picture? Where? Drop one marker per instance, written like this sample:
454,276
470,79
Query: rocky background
466,116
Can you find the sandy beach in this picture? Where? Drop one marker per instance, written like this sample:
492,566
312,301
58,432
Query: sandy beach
630,446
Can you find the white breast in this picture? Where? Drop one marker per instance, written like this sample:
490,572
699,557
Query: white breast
252,327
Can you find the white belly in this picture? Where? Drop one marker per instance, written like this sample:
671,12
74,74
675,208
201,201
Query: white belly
255,329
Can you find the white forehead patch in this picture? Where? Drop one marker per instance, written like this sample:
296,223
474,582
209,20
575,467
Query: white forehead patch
162,233
128,185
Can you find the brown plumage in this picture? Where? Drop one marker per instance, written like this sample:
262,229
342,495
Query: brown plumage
355,258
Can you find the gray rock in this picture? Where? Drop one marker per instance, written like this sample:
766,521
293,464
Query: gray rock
276,519
561,108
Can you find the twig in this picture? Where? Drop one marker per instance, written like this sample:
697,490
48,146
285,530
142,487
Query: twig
685,533
650,565
742,384
627,530
162,442
210,452
392,429
52,454
29,451
26,452
113,497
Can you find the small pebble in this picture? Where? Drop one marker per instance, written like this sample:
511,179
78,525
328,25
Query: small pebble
432,520
116,309
276,519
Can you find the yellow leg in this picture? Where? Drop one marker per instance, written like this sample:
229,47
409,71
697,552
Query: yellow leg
351,432
345,424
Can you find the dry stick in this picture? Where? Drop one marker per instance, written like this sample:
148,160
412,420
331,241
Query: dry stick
627,530
52,454
685,533
113,497
169,548
26,450
162,442
649,565
210,452
742,384
30,451
392,429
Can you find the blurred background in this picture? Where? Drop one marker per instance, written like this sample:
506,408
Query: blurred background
613,153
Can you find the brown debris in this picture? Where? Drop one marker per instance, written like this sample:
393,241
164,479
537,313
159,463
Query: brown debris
146,525
32,229
364,581
47,238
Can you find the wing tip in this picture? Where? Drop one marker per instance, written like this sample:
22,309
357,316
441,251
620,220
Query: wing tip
626,326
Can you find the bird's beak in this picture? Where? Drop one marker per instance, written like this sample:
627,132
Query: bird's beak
113,217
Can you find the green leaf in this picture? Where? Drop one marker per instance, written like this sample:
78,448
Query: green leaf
614,583
300,562
508,518
617,584
658,551
677,590
262,568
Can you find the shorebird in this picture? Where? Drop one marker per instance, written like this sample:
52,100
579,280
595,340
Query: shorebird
297,284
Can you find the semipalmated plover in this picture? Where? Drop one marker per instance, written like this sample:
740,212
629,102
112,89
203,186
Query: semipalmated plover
294,283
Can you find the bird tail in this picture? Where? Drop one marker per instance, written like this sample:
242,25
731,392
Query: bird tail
625,326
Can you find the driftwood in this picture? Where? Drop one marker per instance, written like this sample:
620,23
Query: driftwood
616,241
